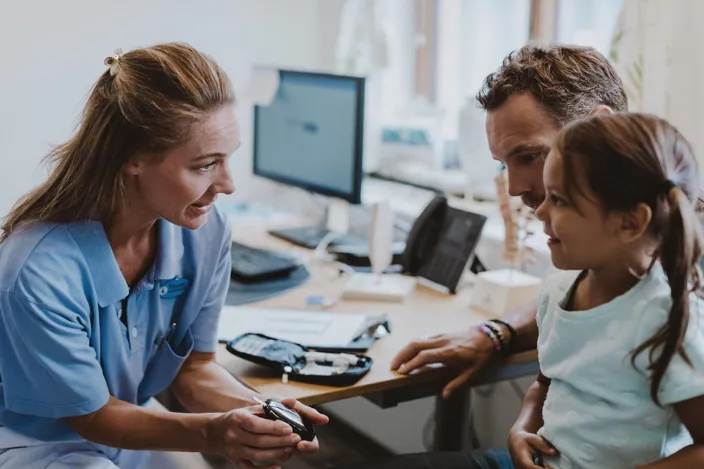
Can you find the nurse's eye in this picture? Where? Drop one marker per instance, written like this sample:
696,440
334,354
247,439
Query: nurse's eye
208,167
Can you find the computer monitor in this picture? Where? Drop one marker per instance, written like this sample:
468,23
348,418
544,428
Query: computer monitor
311,136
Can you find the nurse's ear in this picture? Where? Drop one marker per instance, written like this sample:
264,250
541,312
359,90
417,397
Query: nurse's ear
136,165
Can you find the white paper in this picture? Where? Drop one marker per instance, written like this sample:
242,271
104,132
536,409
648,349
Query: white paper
263,85
308,328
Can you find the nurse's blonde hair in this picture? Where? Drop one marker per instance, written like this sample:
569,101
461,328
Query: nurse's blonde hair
147,101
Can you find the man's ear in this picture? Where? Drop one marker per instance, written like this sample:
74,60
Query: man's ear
634,223
601,109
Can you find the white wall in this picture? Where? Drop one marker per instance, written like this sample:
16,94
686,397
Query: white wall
52,52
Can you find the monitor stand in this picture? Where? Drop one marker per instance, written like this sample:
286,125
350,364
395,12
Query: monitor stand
335,231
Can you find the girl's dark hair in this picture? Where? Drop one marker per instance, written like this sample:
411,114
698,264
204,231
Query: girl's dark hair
150,100
629,159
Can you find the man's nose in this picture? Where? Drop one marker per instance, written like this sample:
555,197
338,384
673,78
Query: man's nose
518,184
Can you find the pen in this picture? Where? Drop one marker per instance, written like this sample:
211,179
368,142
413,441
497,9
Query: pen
167,335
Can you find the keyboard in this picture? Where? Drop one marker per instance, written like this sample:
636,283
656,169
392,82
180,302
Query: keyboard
258,265
310,237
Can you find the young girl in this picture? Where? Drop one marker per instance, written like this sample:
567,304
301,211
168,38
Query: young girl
621,344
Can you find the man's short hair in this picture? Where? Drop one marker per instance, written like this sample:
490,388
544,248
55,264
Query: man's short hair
569,81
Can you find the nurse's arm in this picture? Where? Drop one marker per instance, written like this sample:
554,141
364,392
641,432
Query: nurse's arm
123,425
202,385
241,434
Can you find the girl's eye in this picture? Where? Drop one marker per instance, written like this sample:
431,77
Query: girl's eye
502,166
557,201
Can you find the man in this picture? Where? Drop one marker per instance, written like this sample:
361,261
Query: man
536,91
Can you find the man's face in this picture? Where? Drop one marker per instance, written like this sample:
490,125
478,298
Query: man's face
520,135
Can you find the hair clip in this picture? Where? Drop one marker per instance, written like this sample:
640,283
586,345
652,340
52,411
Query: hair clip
670,188
113,62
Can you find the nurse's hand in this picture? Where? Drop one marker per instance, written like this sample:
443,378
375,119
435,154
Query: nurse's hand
245,437
315,417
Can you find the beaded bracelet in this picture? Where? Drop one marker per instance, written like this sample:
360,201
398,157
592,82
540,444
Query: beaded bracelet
490,334
497,332
511,330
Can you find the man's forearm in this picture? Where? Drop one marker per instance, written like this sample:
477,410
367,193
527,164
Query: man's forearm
204,386
123,425
524,323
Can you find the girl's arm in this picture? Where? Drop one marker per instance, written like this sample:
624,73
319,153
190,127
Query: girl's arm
523,442
691,413
530,418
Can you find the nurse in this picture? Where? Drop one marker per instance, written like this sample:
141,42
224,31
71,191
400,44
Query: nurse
112,276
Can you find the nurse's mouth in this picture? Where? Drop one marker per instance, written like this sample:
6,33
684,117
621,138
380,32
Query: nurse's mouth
201,208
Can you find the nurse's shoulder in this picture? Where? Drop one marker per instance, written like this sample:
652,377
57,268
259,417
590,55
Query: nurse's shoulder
43,263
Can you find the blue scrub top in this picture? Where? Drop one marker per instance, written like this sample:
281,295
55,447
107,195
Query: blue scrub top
63,347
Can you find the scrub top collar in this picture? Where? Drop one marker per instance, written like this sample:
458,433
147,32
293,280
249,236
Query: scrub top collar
110,284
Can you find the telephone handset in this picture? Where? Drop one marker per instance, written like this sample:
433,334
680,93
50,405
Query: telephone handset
441,243
424,235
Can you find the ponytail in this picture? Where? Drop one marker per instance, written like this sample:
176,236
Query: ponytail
679,253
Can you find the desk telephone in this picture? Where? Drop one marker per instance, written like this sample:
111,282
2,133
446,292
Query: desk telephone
441,243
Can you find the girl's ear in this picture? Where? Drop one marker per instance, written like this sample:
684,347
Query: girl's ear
633,224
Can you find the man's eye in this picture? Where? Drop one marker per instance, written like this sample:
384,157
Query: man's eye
502,166
527,159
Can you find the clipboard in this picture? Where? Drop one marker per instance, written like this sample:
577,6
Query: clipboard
375,328
318,330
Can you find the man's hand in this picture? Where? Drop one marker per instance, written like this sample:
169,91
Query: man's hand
467,352
525,446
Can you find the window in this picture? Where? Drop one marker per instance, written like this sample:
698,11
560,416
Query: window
588,22
453,45
456,44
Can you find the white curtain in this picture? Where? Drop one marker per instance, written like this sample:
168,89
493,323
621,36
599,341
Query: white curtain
658,50
374,41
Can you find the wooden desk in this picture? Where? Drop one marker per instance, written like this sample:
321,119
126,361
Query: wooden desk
425,312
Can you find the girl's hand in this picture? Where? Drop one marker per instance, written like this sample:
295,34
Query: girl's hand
244,437
525,446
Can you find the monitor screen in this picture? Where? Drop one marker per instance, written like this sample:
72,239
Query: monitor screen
310,135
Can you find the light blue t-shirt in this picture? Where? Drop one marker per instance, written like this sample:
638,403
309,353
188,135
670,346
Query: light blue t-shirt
63,346
598,412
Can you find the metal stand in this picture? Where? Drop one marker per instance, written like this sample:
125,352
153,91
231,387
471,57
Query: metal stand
452,424
450,420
